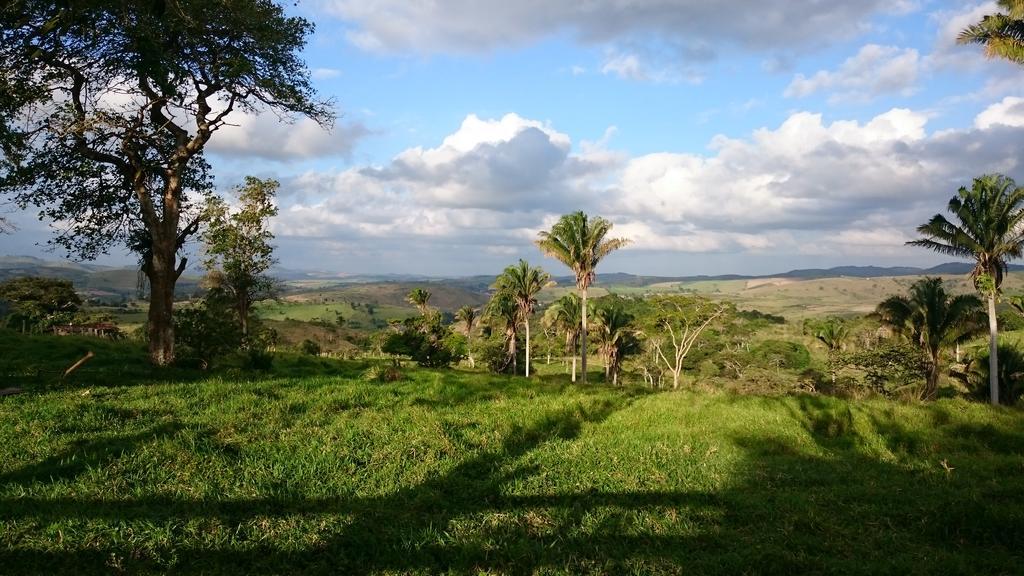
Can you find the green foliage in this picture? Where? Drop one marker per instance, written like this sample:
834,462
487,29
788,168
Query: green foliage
894,368
209,329
1001,34
309,347
933,321
382,374
975,374
756,316
1011,320
427,341
419,298
237,246
615,335
782,354
38,303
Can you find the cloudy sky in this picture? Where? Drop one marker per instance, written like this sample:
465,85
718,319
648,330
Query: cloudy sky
721,137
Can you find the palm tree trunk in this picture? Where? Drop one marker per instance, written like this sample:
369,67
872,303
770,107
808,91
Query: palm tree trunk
574,366
527,347
932,381
993,341
583,335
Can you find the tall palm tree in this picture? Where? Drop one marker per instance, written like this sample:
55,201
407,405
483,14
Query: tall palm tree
580,243
933,321
522,283
419,298
615,338
565,316
991,217
467,315
1002,34
502,314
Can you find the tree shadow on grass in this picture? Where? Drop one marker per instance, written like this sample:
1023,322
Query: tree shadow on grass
836,510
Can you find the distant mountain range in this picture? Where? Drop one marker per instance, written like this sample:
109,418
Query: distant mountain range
98,280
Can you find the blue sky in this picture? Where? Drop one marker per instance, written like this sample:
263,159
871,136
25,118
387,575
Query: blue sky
725,137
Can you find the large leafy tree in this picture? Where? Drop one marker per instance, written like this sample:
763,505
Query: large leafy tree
238,246
107,107
580,242
933,321
522,282
565,316
38,303
988,227
1002,33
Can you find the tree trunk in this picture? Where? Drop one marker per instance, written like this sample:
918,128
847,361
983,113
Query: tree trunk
243,317
527,347
162,276
583,335
931,386
993,342
675,380
574,367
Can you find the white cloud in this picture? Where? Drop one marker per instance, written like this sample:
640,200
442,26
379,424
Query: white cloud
325,73
483,25
270,137
806,186
1008,112
947,53
873,71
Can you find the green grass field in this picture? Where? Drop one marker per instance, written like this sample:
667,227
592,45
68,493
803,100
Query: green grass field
131,472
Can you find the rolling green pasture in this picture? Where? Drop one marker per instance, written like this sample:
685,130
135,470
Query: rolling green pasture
306,311
310,470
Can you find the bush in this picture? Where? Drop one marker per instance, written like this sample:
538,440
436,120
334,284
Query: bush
782,354
427,341
309,347
382,374
892,368
1011,375
207,330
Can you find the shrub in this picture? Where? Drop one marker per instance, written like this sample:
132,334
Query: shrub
782,354
207,330
383,374
1011,374
427,341
892,368
309,347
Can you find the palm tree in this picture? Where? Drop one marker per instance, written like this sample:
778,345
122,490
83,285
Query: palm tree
1002,34
614,338
419,298
833,334
522,283
467,315
503,314
580,243
564,315
932,320
991,215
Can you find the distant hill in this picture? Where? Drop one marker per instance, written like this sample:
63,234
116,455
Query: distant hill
91,280
101,280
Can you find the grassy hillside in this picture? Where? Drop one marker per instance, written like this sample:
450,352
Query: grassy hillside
800,298
467,473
